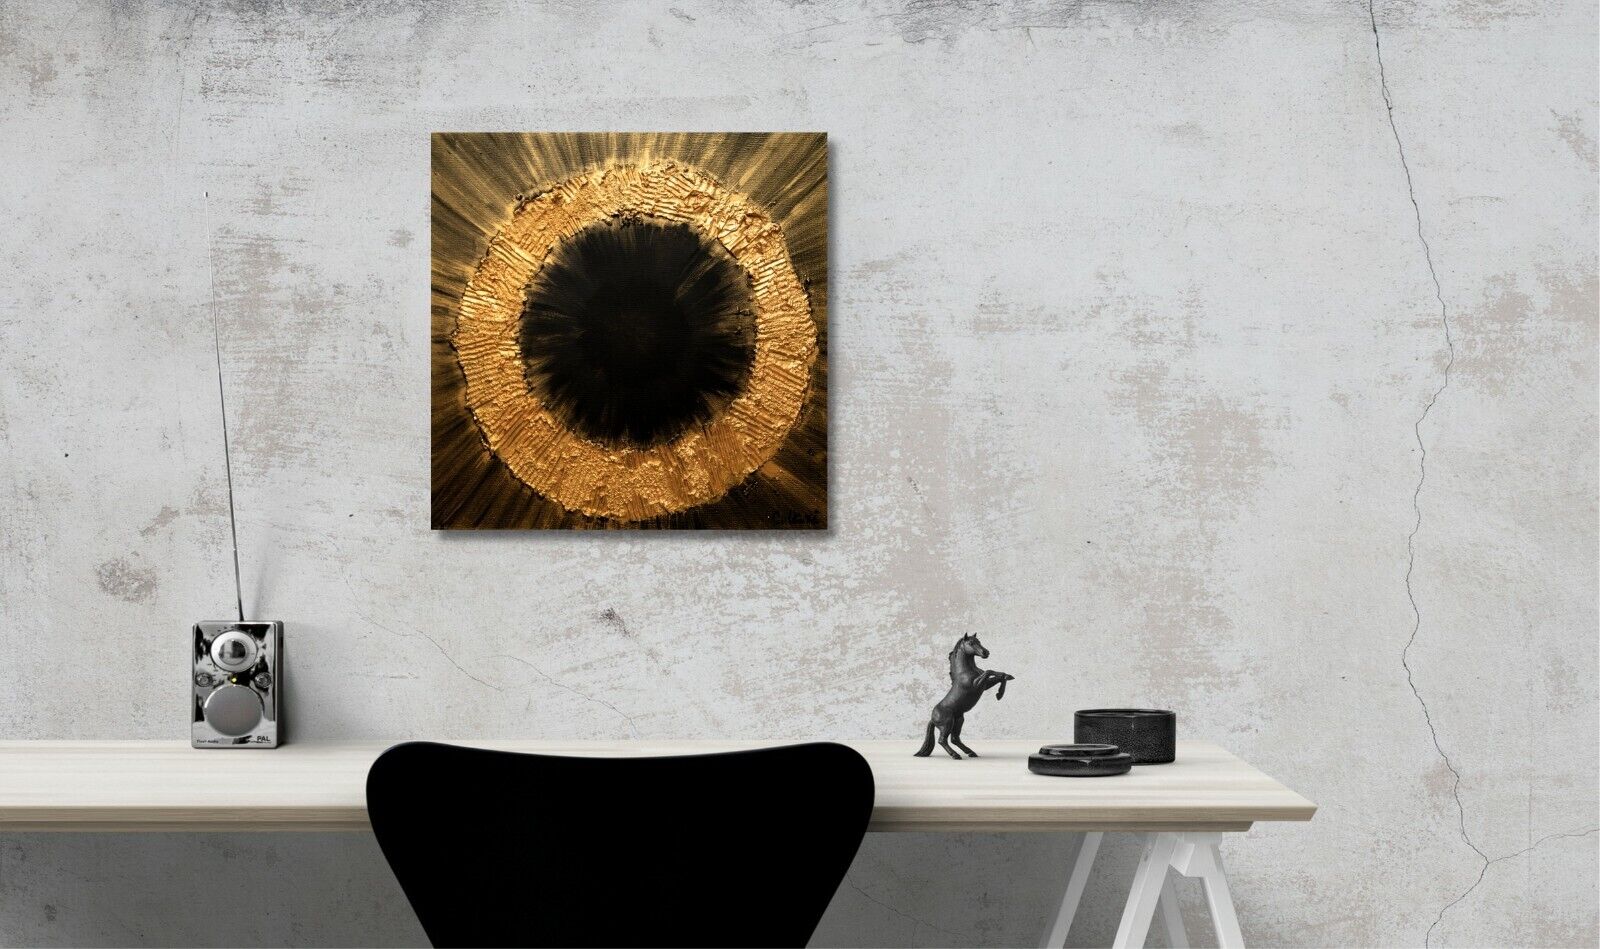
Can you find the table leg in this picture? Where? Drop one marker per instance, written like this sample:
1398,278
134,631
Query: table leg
1172,914
1186,854
1190,855
1148,881
1057,936
1198,856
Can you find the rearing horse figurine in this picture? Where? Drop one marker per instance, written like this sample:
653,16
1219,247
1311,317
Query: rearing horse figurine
967,685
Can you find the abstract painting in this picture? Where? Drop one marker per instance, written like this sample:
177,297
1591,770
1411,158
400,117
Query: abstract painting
630,331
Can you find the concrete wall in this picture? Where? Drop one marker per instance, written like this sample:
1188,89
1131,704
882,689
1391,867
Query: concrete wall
1138,312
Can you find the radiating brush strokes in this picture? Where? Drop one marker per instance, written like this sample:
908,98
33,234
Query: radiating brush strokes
526,434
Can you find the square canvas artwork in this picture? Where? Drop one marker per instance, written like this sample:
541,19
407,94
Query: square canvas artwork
630,331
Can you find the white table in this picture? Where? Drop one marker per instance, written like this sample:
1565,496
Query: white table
1183,808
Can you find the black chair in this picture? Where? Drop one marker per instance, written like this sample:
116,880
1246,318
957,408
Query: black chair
495,848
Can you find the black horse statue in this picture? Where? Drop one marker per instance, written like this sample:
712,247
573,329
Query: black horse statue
967,685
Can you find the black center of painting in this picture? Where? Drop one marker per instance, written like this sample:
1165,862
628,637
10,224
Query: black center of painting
634,331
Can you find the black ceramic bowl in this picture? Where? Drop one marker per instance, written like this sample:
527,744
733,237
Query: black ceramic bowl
1080,761
1079,751
1148,734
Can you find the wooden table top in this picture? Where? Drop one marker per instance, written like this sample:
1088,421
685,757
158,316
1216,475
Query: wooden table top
317,786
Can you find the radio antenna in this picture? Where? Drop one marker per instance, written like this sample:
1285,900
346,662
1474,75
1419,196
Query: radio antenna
227,457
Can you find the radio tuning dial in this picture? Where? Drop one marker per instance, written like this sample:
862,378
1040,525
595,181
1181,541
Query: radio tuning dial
234,651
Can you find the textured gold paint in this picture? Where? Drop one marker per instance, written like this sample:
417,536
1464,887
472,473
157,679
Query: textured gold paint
700,466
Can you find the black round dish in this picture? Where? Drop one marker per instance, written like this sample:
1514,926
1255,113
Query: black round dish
1148,734
1096,765
1079,751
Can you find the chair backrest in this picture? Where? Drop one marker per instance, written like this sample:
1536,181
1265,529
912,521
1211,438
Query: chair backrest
495,848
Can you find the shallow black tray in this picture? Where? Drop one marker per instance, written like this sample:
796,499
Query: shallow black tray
1080,761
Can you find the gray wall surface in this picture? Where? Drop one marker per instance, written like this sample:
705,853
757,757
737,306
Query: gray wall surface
1139,312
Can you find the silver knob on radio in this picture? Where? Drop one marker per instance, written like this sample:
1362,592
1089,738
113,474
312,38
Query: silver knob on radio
234,651
233,710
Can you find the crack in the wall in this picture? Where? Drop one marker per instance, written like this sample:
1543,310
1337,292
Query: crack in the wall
1484,871
1422,477
907,916
445,653
436,645
434,642
355,604
633,726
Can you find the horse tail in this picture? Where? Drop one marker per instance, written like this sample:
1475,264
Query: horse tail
927,742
